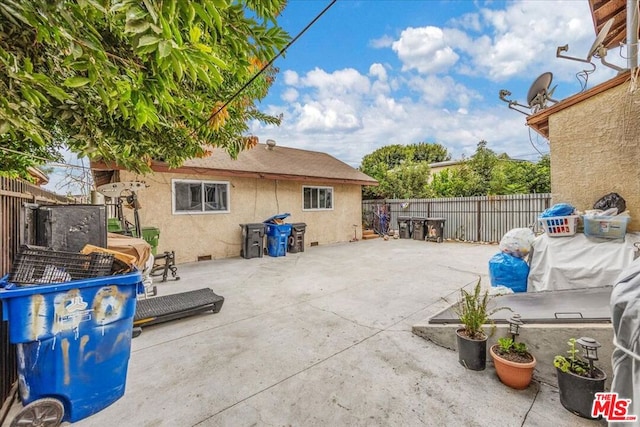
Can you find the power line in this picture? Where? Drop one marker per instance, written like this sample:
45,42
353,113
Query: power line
44,159
239,91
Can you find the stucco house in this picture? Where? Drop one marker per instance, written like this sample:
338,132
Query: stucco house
594,135
199,207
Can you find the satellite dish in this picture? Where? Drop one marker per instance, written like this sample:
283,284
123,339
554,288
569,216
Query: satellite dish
538,90
604,31
537,97
597,49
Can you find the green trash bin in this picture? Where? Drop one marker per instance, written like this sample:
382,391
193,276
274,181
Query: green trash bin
114,225
151,235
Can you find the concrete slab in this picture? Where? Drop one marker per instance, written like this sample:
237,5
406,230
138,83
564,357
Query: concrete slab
322,337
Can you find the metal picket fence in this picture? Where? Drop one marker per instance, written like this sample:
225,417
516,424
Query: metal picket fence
474,219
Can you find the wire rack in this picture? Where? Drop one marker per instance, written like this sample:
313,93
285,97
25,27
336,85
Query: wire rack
35,266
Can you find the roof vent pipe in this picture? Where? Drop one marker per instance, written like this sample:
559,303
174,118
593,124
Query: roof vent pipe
270,144
632,34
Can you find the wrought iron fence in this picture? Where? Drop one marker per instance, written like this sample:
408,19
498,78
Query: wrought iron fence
13,195
474,219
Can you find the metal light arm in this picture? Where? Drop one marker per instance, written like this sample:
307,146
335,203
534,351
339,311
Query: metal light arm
602,53
512,104
565,48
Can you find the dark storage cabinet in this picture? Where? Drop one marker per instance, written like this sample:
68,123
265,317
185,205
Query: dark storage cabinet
252,240
296,239
70,227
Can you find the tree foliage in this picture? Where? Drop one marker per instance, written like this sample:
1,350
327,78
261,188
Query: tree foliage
409,180
131,81
403,160
485,172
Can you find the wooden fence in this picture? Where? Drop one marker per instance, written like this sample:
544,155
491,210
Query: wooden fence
13,195
475,219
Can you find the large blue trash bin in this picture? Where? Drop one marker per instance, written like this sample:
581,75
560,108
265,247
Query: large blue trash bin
277,235
73,340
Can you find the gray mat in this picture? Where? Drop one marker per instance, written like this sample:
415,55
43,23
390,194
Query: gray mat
171,307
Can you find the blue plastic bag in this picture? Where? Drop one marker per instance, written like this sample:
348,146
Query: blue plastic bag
507,270
559,209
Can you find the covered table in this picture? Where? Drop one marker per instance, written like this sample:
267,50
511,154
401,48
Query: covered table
577,261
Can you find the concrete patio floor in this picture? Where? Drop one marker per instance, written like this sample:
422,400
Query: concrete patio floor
323,338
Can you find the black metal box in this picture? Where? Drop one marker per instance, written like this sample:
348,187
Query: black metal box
71,227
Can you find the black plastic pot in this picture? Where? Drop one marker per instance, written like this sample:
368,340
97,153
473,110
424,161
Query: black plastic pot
577,392
472,354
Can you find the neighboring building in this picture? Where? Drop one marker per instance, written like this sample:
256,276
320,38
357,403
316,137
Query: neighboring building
438,167
315,188
39,177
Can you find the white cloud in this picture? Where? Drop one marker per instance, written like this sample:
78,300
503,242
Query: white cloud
425,50
290,95
377,70
443,90
291,78
341,82
382,42
521,40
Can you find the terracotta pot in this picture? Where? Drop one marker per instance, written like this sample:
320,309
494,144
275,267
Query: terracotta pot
515,375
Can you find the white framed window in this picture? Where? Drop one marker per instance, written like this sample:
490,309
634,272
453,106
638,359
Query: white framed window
200,197
317,198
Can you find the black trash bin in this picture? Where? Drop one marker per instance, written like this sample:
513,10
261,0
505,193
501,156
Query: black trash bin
419,228
296,238
435,229
252,240
404,227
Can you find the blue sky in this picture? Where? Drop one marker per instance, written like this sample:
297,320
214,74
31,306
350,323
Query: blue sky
372,73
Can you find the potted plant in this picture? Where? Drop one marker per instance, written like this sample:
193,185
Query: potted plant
578,379
473,312
513,362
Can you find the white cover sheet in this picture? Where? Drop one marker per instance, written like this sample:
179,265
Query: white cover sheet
577,261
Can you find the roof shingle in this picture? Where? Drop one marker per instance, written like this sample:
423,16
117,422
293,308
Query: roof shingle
285,162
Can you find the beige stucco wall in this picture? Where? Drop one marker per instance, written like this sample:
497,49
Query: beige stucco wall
595,150
251,200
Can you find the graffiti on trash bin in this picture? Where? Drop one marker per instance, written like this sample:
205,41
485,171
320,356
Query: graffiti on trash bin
70,311
108,305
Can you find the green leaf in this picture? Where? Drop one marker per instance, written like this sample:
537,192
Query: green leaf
177,66
151,10
164,49
136,26
194,34
203,47
76,81
148,40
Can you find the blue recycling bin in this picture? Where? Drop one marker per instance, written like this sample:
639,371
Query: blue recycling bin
277,235
73,339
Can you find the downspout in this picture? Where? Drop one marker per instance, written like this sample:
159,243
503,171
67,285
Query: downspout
632,34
